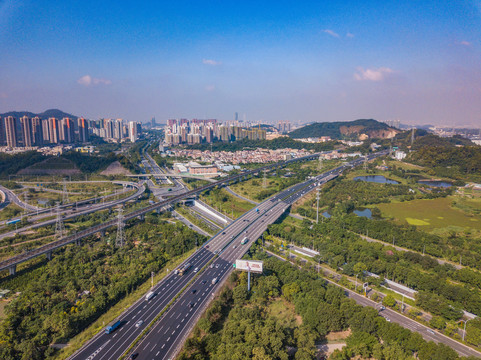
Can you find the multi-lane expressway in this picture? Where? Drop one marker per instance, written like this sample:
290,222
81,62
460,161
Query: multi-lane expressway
166,335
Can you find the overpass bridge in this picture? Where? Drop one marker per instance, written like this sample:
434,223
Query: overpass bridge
48,249
172,175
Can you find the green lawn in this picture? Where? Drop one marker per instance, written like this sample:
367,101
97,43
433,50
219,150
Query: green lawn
430,214
226,203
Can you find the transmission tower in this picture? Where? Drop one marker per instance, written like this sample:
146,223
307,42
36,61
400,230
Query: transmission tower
412,137
317,198
59,227
120,240
65,199
365,163
320,163
264,180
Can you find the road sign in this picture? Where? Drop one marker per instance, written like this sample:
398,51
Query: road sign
249,265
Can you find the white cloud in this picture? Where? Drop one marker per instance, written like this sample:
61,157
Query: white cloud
465,43
330,32
349,35
211,62
378,74
88,80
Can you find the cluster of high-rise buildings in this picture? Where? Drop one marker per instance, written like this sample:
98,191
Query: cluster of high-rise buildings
29,132
196,131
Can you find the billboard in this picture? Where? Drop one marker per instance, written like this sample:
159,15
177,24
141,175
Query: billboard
246,265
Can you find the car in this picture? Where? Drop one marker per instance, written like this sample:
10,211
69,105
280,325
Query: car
388,319
191,304
212,266
216,266
176,271
133,356
430,331
194,291
139,323
207,246
204,281
223,232
235,246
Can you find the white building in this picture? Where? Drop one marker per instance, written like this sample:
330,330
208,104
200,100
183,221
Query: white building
132,131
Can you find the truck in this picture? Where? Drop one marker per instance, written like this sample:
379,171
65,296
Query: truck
257,210
214,281
111,328
149,295
244,241
184,269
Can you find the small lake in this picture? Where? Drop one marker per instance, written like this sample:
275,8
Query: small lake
326,214
435,183
364,213
375,178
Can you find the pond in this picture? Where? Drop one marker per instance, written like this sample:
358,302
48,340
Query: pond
326,214
364,213
435,183
375,178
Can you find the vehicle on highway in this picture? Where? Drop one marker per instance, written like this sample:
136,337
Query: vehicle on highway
149,295
139,323
223,232
216,266
204,281
176,271
388,319
431,332
196,269
235,246
191,304
133,356
212,265
244,241
214,281
111,328
184,269
194,291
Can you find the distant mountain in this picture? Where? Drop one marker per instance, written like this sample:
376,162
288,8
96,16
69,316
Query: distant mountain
59,114
357,129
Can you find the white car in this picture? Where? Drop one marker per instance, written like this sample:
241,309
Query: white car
139,323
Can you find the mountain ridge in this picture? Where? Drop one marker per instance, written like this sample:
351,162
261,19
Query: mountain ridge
56,113
338,130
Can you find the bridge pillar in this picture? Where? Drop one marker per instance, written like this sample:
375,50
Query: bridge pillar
142,217
102,233
110,211
78,242
49,255
12,270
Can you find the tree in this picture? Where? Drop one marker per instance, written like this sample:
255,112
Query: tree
389,300
437,322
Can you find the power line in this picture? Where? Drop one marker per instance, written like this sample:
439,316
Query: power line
120,239
59,226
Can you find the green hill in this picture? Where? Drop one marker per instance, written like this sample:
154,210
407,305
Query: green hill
59,114
361,128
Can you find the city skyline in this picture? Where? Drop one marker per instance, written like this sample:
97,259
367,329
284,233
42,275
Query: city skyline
419,63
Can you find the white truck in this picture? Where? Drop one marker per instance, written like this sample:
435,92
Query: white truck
214,281
149,295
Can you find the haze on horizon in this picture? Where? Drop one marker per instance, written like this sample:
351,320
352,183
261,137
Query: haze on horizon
416,61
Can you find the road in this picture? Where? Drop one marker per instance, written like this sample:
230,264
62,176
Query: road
87,210
11,197
162,340
427,333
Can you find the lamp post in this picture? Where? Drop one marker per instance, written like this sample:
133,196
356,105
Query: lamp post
464,330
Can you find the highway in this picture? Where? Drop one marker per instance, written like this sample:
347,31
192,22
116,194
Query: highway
87,209
11,197
165,337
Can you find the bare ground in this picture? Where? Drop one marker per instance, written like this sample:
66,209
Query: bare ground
116,169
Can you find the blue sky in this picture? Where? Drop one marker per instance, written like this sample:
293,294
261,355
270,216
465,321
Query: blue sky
417,61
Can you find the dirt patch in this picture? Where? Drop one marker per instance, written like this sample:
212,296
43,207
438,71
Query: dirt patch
116,168
339,335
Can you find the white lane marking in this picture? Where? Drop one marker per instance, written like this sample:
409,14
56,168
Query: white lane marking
97,351
145,347
158,352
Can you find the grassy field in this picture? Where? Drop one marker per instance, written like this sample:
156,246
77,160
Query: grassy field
431,214
253,187
10,211
285,313
227,204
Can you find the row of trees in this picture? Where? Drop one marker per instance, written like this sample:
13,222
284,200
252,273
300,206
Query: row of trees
63,297
240,325
341,248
